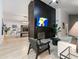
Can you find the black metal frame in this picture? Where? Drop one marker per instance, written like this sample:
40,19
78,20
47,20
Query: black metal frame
66,56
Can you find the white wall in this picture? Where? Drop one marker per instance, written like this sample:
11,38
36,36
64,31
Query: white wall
16,7
62,17
14,12
1,15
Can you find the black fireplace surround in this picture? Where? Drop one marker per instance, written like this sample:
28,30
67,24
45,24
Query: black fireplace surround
39,8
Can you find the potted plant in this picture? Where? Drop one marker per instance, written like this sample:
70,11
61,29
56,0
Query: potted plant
6,29
55,30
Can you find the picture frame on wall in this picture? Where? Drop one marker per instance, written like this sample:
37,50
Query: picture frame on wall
14,26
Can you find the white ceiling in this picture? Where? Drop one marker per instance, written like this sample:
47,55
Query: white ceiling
70,6
15,9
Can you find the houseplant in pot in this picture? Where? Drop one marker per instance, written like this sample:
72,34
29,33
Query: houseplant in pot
6,29
55,30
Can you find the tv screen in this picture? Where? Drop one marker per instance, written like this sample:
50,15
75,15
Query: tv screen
42,22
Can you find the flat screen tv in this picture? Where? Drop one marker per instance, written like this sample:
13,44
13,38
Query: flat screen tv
42,22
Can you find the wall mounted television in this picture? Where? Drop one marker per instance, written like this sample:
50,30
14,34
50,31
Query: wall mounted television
41,22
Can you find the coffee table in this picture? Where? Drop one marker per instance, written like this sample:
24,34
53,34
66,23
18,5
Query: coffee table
67,54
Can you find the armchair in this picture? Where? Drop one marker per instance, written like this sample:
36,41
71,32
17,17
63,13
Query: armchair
38,46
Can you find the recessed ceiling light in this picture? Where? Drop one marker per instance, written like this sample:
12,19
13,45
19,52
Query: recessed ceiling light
54,1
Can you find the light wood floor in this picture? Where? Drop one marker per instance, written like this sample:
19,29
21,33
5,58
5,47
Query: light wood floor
17,48
14,48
